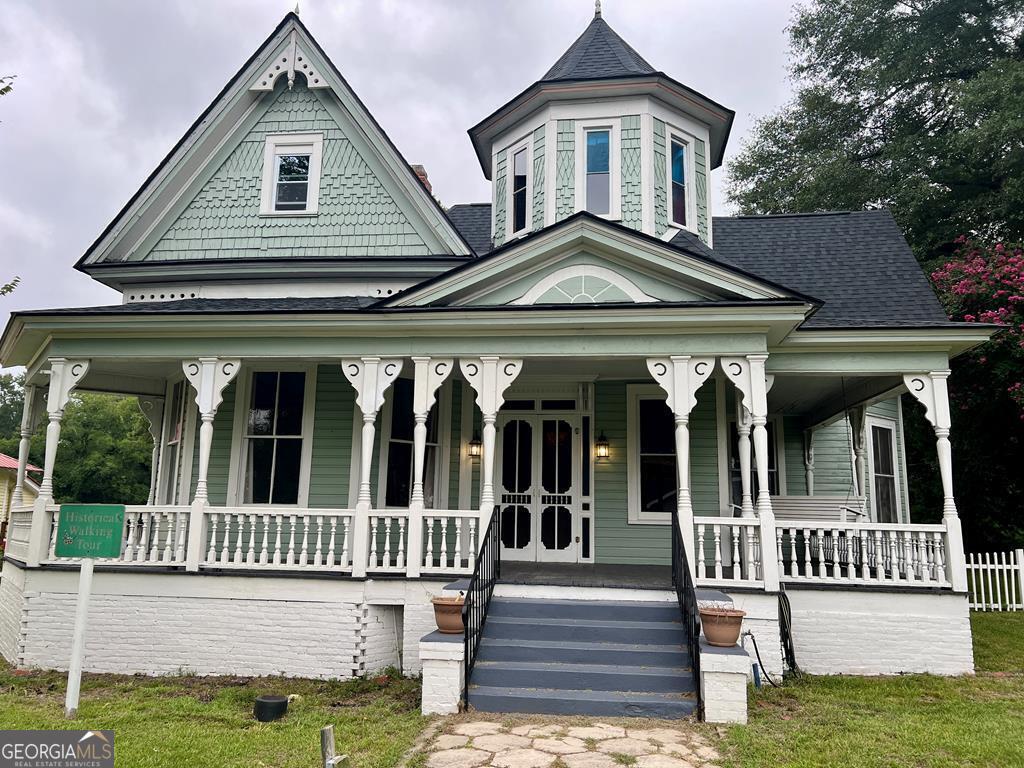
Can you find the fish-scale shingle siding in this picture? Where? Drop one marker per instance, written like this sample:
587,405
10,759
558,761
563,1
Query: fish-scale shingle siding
632,190
538,178
700,158
500,182
565,170
357,216
660,181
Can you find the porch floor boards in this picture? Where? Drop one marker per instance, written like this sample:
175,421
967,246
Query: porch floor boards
587,575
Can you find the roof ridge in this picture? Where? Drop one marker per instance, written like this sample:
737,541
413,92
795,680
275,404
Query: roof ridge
793,215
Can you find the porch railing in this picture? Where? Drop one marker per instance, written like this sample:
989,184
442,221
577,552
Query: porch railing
151,536
686,595
728,551
486,572
450,541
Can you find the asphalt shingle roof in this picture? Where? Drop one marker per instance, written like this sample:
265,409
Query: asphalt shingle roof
473,220
188,306
597,54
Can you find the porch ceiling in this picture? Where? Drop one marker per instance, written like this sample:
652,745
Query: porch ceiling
821,398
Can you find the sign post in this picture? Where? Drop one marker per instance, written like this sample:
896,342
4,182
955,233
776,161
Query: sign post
85,531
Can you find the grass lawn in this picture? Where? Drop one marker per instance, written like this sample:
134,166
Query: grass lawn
193,721
918,721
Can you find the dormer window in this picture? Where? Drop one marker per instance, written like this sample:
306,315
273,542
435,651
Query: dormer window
677,166
519,189
291,174
598,183
519,179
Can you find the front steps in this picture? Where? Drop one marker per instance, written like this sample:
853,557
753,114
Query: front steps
583,657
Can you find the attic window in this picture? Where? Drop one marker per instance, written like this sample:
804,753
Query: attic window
519,190
598,182
677,163
291,174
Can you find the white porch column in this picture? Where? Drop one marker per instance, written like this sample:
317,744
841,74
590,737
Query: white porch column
743,449
153,409
30,413
858,430
64,376
809,460
681,376
489,376
430,375
749,377
931,390
371,377
208,377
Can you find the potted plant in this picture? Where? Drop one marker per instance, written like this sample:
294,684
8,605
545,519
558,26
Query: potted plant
448,614
721,622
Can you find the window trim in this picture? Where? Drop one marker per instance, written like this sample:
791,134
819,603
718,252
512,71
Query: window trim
673,134
612,125
240,443
524,144
890,424
778,427
283,144
634,514
182,489
442,465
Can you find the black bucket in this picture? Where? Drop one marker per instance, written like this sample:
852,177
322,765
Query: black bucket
269,708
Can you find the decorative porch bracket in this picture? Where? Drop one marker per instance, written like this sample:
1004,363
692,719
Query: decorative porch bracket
681,376
809,460
64,377
931,390
749,377
153,409
371,377
489,376
209,376
430,374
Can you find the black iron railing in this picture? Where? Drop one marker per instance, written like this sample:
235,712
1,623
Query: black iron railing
478,597
686,594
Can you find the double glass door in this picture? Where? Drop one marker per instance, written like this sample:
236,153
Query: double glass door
538,486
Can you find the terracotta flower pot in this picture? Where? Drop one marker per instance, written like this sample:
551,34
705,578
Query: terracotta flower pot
448,614
721,625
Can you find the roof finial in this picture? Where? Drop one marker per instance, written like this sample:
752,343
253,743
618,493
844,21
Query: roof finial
597,9
296,11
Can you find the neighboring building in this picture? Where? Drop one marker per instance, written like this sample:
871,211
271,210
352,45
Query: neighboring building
8,484
357,396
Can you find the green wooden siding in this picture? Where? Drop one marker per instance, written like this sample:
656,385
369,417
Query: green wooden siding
632,187
538,178
565,170
615,540
332,439
660,182
700,161
499,198
357,216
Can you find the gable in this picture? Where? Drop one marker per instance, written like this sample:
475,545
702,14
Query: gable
357,216
203,201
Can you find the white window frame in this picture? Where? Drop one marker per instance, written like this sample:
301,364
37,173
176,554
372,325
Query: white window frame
527,145
673,134
778,428
612,125
890,424
240,443
441,466
288,144
181,477
634,514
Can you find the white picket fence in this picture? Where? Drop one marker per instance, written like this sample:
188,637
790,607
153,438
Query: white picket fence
995,581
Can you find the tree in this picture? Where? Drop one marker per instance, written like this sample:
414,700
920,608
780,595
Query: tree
917,106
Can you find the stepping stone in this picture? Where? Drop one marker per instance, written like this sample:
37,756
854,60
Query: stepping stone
500,742
708,753
626,747
542,731
458,758
477,728
450,741
680,750
590,760
661,761
523,758
598,731
660,735
564,746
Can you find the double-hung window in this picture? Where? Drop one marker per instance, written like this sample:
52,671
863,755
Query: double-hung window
885,502
174,433
597,167
291,174
520,175
651,449
274,436
677,165
598,181
399,471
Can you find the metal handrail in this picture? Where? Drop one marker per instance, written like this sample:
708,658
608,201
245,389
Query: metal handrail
486,573
686,594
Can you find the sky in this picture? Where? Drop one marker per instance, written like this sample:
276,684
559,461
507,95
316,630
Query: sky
105,88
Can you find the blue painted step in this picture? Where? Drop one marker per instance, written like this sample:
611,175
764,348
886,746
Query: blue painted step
555,701
636,632
625,654
585,609
583,677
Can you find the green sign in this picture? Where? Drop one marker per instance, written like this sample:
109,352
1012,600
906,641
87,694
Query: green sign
90,530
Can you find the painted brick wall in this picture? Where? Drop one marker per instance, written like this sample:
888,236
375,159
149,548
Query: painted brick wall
659,180
357,216
881,633
632,187
500,195
381,635
538,178
11,602
165,635
565,170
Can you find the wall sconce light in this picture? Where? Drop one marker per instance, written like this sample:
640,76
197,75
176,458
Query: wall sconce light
602,449
475,446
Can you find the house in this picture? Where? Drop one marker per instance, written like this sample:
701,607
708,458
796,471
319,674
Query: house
591,398
9,486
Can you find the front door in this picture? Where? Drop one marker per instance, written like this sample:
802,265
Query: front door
538,497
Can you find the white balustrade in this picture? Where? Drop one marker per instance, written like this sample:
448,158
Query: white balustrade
387,541
281,538
728,551
880,553
450,540
152,535
18,527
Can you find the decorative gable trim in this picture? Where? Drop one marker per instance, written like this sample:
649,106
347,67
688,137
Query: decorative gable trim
289,61
605,279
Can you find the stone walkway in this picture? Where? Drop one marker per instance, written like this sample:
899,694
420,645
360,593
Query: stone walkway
473,743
